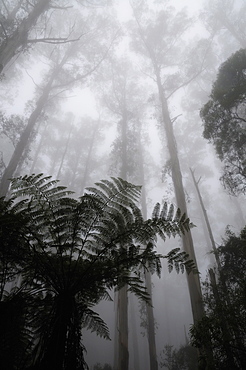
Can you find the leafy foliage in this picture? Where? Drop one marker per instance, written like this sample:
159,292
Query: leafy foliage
224,118
184,358
224,325
73,252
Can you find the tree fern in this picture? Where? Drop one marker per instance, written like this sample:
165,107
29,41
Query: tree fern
76,250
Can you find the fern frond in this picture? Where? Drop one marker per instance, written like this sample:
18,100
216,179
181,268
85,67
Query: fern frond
180,261
164,210
93,322
156,211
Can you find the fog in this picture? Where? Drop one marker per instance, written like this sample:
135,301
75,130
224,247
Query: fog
114,89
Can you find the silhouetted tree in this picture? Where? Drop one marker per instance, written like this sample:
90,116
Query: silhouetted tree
224,118
225,306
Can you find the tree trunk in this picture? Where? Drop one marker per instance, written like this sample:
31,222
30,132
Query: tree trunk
28,130
123,359
123,352
38,150
88,158
151,325
193,279
18,39
24,139
153,363
133,331
206,218
64,153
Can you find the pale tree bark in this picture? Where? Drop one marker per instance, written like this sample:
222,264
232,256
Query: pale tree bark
196,183
14,43
193,279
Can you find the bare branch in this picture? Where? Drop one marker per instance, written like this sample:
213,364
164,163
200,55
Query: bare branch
174,119
60,7
194,76
81,77
52,40
31,78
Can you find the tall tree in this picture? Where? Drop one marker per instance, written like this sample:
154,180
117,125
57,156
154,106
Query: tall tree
159,41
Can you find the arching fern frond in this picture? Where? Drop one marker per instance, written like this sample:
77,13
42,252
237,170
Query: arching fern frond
180,261
93,322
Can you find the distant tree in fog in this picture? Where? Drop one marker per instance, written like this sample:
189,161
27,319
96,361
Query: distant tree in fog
123,96
69,65
224,117
223,18
17,20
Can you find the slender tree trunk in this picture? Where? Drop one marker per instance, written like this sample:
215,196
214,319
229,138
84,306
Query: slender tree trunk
28,130
151,325
18,39
205,218
153,363
123,359
38,150
133,326
88,158
24,139
193,279
64,153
